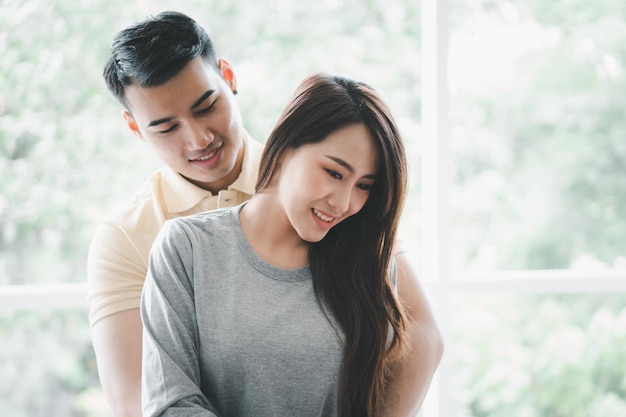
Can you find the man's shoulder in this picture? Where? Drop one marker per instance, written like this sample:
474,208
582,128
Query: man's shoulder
141,208
255,146
252,158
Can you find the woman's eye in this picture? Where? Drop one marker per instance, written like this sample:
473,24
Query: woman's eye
334,174
365,187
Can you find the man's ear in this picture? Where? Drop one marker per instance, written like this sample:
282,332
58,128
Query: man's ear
131,123
228,74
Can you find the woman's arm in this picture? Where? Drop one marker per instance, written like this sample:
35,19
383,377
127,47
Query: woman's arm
413,371
171,371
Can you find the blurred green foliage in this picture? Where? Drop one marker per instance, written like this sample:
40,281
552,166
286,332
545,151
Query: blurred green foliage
540,152
540,356
537,168
47,366
66,158
540,155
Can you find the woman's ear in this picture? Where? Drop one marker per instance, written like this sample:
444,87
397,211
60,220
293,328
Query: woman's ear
228,74
280,162
283,158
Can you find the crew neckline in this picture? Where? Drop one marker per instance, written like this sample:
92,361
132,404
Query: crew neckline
260,264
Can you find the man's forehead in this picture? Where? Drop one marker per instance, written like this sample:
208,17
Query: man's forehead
179,93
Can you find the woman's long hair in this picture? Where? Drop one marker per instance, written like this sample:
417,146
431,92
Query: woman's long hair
352,265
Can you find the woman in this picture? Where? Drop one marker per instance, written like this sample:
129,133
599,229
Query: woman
286,305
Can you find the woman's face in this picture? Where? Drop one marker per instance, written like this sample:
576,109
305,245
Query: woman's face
324,183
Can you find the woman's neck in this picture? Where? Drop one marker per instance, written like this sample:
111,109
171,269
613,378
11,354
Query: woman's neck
269,232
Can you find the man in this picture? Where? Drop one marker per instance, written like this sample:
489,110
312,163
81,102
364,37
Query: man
179,98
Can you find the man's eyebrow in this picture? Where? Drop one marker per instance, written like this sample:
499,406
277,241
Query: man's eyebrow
202,98
348,166
197,103
159,121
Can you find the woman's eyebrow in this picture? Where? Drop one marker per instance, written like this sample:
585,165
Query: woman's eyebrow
348,166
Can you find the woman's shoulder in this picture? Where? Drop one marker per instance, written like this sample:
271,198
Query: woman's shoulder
215,217
200,224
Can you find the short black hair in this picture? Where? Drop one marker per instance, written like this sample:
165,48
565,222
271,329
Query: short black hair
152,51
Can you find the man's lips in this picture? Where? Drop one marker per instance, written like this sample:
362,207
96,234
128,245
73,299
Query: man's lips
207,155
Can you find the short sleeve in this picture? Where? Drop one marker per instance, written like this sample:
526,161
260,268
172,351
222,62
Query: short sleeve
115,273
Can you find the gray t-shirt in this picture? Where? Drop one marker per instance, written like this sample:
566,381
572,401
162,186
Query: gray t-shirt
227,334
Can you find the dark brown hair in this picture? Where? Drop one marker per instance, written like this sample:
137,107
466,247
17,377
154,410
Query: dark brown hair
352,265
152,51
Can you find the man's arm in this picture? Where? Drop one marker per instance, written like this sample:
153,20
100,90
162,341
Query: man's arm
117,343
116,273
412,373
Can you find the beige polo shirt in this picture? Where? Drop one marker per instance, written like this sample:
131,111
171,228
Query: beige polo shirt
118,255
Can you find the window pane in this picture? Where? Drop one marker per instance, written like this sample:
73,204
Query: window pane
47,365
66,158
538,132
539,356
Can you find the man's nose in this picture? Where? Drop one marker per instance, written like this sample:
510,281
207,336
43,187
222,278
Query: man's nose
199,137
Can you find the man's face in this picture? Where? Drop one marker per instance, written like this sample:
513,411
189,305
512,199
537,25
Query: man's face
193,123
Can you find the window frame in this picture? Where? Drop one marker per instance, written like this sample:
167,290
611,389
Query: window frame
435,256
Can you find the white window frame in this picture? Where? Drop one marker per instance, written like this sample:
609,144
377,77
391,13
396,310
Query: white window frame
436,235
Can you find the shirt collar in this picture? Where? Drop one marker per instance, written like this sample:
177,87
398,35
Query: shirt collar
181,195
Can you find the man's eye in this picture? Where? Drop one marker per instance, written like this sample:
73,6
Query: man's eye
206,109
334,174
166,131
